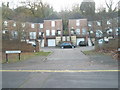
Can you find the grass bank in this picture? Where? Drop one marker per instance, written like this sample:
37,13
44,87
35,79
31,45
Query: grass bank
93,52
12,58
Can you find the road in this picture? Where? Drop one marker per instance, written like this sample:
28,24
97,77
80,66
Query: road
64,68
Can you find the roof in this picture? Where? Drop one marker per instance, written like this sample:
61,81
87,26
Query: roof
52,17
76,16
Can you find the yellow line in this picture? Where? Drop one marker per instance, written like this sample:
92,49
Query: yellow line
59,70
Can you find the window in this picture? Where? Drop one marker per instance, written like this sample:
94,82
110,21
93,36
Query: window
32,26
41,25
77,22
98,23
99,33
23,34
109,31
72,32
108,22
23,24
89,24
91,32
53,23
47,32
116,31
83,31
14,24
53,32
5,31
14,34
5,23
32,35
59,32
40,33
77,31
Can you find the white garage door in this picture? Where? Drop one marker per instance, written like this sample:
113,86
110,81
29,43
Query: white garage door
80,39
51,42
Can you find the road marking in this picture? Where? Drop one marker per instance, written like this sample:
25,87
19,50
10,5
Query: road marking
59,70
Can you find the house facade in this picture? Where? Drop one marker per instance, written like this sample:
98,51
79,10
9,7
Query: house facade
50,32
103,30
78,30
53,30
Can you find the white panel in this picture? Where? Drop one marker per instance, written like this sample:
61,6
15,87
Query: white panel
80,39
51,42
42,44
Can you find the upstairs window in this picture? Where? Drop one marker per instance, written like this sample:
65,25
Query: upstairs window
72,31
91,32
5,23
14,24
89,24
83,31
78,31
77,22
108,22
109,31
53,23
99,33
47,32
98,23
41,25
53,32
32,25
14,34
32,35
5,31
23,24
59,32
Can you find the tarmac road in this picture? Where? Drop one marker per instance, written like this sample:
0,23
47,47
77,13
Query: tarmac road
64,68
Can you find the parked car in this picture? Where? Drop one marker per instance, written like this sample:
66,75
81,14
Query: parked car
82,43
67,45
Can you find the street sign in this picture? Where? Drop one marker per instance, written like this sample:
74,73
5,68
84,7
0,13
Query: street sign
12,52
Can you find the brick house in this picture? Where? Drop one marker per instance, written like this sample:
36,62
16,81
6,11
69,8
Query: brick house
53,30
78,30
103,29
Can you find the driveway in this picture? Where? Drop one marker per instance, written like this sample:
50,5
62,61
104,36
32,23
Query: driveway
64,68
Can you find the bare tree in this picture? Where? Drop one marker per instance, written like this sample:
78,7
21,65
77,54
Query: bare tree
111,5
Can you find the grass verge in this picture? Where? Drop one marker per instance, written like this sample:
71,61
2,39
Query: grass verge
12,58
93,52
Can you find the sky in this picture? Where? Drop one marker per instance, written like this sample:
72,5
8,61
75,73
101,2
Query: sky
59,5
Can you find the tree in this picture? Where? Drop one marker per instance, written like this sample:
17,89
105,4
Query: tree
88,7
7,13
38,8
112,7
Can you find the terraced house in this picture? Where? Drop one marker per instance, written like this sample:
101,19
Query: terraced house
103,29
53,30
78,30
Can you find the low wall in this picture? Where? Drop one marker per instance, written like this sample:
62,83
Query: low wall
16,45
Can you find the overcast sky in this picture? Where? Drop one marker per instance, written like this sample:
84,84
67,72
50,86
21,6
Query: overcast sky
59,4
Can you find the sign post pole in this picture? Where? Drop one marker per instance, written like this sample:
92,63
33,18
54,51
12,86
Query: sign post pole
7,58
19,56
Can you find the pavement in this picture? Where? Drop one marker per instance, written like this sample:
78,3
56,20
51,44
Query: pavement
64,68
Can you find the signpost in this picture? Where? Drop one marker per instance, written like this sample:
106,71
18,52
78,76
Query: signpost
11,52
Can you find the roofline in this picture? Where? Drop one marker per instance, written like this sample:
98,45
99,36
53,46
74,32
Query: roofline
52,19
78,19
